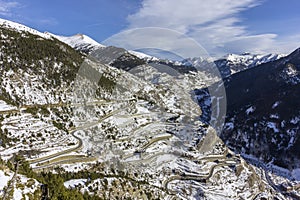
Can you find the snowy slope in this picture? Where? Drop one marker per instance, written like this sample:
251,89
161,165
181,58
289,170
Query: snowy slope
78,41
20,27
23,187
147,118
143,56
252,60
233,63
86,44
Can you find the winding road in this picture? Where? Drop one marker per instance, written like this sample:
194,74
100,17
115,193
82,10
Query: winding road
78,147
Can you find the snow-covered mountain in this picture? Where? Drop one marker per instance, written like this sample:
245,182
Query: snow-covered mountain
237,63
125,123
234,63
263,111
22,28
228,65
79,42
143,56
252,60
86,44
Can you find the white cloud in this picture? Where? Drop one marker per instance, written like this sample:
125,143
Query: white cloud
181,14
215,24
288,43
157,38
256,43
6,7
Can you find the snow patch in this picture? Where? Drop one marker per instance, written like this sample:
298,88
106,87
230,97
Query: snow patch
4,106
74,182
275,104
273,126
3,180
250,110
274,116
295,120
229,126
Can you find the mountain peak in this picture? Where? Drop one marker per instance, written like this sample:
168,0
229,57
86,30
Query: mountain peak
252,59
79,34
78,41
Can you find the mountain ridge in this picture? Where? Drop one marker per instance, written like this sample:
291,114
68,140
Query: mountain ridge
232,62
112,119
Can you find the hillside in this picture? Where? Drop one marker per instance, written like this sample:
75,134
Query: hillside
113,125
263,112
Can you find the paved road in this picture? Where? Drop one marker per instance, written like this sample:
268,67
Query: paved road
154,140
45,158
194,177
80,142
70,160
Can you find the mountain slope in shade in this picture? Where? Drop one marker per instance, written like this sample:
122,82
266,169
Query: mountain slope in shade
264,112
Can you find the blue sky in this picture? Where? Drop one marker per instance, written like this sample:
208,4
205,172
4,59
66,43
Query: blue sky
220,26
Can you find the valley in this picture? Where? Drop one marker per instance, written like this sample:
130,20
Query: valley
112,125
